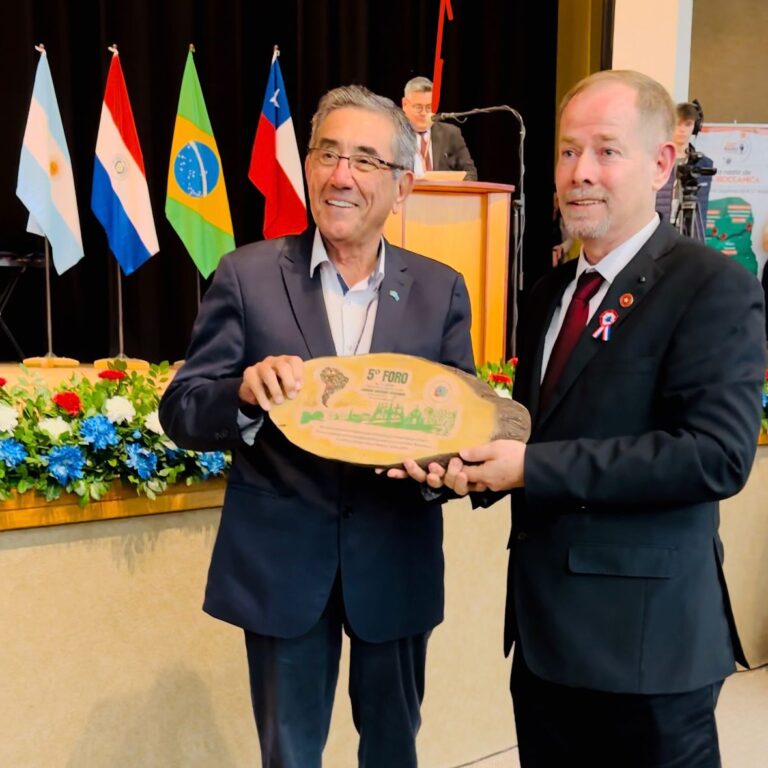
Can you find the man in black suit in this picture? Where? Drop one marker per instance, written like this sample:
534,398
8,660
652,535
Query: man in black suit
308,546
441,146
642,421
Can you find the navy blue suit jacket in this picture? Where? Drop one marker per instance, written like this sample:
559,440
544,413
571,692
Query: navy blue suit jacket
615,576
291,521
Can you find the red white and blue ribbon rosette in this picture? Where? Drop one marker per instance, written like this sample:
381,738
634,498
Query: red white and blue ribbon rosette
607,318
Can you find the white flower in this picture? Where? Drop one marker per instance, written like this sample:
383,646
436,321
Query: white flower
9,418
152,423
501,392
55,427
119,409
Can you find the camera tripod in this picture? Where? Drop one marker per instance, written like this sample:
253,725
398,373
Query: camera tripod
688,220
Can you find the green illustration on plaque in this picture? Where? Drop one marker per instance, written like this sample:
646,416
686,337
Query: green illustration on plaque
437,421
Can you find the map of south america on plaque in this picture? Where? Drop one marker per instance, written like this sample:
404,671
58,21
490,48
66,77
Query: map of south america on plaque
379,409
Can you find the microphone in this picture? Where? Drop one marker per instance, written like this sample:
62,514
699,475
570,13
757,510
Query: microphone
438,117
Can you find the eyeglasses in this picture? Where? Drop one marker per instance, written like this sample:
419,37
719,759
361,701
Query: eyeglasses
421,109
363,163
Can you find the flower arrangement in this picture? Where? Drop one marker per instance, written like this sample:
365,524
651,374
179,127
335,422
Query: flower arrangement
764,422
500,376
83,435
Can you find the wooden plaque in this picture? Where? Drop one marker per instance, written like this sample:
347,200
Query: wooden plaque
380,409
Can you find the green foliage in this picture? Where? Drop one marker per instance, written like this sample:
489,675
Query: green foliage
500,376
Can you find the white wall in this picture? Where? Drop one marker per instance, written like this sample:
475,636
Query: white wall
654,37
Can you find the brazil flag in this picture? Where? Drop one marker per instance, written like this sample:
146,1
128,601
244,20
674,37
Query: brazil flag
196,202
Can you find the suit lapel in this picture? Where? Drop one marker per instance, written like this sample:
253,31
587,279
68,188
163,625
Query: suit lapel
305,295
540,319
635,280
438,147
393,298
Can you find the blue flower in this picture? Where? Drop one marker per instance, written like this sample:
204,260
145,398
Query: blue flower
142,460
136,434
12,452
171,453
99,431
65,463
212,462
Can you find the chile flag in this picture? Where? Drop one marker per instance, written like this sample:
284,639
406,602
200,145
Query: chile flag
275,167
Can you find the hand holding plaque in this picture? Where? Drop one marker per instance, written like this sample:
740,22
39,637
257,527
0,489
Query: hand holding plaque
378,409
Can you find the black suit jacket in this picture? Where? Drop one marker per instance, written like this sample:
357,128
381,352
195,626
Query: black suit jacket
615,577
449,151
291,521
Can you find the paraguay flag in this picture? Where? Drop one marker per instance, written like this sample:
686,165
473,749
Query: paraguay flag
120,198
45,184
196,203
275,165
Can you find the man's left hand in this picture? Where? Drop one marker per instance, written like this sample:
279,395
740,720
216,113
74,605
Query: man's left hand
432,476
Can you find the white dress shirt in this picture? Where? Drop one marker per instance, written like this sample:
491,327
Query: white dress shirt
418,160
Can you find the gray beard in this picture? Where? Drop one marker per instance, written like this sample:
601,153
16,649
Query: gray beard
585,230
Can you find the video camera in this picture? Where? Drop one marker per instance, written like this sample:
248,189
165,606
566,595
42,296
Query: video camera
689,173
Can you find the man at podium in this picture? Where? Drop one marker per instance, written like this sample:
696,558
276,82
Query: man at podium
441,146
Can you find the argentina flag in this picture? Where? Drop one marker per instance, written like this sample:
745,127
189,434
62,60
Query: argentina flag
45,183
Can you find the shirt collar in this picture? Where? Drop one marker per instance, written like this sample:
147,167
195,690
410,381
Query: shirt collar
320,256
614,261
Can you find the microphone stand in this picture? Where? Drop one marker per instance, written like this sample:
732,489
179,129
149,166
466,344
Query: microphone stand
518,206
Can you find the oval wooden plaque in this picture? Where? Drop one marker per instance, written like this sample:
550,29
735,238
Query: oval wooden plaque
380,409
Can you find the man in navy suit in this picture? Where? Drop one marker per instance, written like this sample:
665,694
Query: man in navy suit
308,546
616,600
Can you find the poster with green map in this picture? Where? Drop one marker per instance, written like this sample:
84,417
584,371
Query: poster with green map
737,218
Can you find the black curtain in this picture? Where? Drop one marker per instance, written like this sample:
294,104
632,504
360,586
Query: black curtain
496,52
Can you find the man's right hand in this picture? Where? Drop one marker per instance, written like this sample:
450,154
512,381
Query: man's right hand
272,380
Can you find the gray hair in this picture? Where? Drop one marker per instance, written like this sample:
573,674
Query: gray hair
653,102
418,85
404,144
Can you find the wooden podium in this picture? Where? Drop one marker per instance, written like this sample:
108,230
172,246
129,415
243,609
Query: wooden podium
464,224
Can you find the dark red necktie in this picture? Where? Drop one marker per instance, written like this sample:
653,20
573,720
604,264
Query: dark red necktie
573,325
425,153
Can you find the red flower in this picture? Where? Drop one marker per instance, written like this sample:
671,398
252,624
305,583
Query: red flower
69,401
112,374
513,361
3,382
501,378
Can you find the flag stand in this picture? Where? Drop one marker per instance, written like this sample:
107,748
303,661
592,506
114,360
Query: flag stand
49,360
132,363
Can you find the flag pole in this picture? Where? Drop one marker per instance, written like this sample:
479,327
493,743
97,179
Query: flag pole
49,323
49,359
120,347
